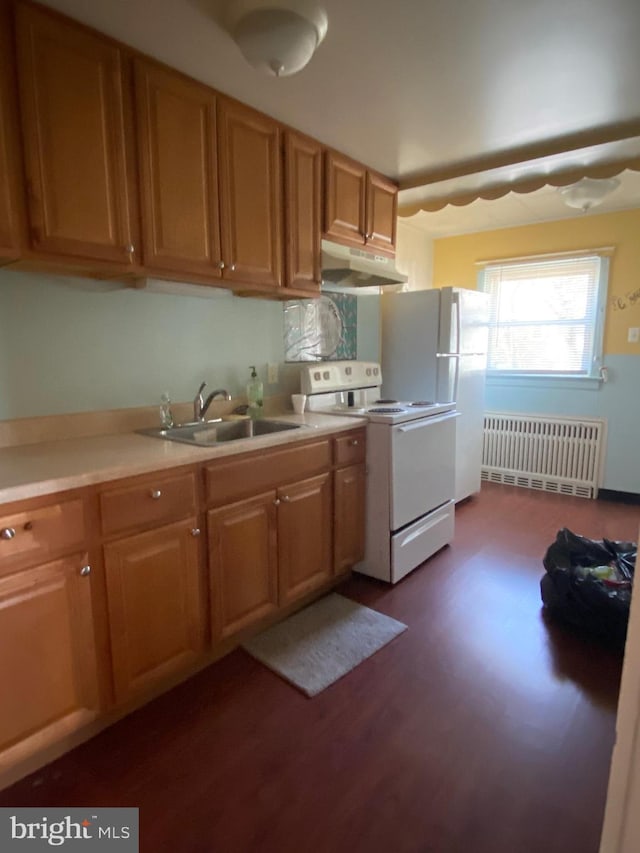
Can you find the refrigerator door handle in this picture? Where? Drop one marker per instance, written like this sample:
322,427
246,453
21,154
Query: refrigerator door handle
457,378
456,307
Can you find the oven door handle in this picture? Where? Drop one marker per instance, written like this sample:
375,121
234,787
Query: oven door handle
426,422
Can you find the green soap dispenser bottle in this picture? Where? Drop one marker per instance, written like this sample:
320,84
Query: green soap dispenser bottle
255,394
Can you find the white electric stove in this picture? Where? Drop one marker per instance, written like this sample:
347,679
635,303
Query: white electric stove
410,464
352,388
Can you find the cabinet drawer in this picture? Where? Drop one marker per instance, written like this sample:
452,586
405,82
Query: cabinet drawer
33,535
152,500
350,449
228,481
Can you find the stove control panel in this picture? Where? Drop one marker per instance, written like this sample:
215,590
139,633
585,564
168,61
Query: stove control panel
335,376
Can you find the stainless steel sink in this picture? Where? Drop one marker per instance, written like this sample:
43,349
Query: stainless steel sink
213,432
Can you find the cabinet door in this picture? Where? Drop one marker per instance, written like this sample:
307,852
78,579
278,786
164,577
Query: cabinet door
47,657
349,526
382,203
178,171
303,186
304,536
345,210
71,93
243,563
251,195
9,166
155,601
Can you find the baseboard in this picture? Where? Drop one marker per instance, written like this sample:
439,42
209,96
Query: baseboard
620,497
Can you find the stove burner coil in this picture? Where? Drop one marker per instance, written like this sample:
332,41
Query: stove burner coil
423,403
385,411
380,402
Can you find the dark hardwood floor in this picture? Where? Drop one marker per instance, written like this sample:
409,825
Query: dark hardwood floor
481,729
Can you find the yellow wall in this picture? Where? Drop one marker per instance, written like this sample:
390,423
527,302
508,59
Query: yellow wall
454,261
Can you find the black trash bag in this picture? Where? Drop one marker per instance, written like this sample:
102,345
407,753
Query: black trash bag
588,584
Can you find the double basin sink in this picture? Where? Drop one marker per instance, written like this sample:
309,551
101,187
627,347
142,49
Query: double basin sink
209,433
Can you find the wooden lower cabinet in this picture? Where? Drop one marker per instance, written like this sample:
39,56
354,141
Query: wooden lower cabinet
267,551
243,563
155,606
281,524
304,536
47,657
349,527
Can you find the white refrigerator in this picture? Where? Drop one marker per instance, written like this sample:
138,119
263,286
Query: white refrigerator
434,347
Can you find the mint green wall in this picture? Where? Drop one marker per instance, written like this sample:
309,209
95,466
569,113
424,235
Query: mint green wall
74,345
617,400
70,345
369,327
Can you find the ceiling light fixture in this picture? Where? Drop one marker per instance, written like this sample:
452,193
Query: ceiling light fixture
588,192
277,37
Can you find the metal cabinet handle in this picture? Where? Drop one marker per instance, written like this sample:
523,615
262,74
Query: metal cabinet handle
195,531
220,265
7,533
131,249
156,494
354,442
232,267
85,570
276,502
286,498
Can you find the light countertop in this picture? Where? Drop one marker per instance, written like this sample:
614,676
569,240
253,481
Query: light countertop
31,470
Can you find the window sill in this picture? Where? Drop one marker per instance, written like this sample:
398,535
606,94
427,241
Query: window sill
532,380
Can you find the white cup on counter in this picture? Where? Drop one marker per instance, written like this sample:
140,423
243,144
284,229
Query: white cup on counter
298,401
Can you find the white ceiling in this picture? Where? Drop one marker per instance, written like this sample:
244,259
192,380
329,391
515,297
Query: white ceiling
411,87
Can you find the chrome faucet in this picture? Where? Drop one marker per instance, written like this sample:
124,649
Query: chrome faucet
200,405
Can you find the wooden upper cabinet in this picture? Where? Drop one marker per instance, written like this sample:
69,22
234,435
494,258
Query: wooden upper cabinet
9,165
72,91
8,242
303,211
382,212
360,206
344,204
251,195
176,120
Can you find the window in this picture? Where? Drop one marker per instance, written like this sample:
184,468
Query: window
546,315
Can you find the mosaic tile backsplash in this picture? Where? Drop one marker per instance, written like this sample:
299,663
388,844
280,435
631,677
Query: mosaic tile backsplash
325,329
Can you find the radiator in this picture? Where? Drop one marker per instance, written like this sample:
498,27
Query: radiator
553,454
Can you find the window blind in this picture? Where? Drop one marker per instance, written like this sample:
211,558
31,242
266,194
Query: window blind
543,315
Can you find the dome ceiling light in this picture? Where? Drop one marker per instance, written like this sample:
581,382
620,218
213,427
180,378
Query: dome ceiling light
277,37
588,192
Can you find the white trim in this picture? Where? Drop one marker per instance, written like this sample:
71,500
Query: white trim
621,830
594,377
603,252
500,379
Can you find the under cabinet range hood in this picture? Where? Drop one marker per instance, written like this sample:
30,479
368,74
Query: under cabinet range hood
349,267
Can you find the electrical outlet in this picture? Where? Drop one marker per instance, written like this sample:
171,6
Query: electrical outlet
272,374
633,335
